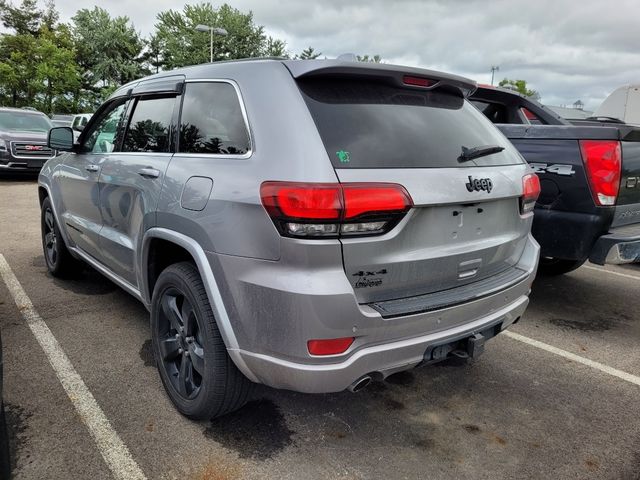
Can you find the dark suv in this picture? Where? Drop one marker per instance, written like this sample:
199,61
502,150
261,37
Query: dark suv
23,140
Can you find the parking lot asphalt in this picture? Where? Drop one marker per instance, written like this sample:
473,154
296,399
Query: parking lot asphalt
517,412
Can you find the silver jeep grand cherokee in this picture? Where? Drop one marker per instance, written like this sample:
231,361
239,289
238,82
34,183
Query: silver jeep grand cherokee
308,225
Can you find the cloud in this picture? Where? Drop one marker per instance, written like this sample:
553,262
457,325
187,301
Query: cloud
566,50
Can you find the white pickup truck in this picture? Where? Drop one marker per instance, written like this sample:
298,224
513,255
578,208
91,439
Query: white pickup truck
79,122
623,104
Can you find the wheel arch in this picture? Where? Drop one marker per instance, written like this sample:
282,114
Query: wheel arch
180,245
42,194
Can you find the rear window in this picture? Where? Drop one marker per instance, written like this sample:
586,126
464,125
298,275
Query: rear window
367,124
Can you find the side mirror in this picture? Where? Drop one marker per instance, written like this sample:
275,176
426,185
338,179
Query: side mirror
61,139
78,128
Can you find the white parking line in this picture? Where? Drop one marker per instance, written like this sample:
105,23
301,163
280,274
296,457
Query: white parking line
111,447
625,275
614,372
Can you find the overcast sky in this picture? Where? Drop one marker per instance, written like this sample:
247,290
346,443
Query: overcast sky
567,50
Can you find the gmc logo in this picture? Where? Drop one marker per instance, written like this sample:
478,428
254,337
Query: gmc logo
479,184
32,148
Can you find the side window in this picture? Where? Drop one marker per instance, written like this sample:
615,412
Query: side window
150,126
212,120
76,122
105,133
495,112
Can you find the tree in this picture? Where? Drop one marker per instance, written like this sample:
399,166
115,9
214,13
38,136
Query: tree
275,48
183,45
153,56
520,86
367,58
37,60
309,54
56,71
109,52
24,19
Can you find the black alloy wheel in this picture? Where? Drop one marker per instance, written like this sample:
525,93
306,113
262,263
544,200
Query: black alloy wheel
50,238
195,368
56,255
180,343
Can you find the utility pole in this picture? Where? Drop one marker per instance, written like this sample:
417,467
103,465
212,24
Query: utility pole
494,69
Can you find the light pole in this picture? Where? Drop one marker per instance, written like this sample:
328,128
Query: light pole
212,31
494,69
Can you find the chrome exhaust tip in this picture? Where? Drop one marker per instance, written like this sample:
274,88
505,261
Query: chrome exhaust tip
359,384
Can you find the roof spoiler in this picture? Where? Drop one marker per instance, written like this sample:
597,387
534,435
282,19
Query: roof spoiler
399,75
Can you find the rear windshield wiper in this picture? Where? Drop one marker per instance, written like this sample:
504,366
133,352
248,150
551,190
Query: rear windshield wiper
477,152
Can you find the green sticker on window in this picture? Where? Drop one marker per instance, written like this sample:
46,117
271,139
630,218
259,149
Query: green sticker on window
343,156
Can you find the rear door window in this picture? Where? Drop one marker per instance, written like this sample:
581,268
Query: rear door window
150,125
369,124
212,121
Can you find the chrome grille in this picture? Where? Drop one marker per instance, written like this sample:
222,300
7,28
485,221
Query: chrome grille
30,150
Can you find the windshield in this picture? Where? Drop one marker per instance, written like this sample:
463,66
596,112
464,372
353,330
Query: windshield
367,124
24,122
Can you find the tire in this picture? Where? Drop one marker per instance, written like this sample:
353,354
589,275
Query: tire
558,266
197,373
56,255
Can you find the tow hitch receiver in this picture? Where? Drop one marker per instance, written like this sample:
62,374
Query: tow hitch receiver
475,345
468,347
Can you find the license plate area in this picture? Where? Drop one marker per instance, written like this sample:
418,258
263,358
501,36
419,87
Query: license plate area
34,163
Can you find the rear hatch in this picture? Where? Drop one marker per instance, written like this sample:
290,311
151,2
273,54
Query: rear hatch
386,126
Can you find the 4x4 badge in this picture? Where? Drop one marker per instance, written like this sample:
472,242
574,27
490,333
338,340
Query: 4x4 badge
479,184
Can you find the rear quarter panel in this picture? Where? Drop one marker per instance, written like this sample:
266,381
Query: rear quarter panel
285,146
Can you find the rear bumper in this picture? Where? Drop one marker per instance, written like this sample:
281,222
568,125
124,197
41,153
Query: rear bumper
274,309
619,246
377,361
568,235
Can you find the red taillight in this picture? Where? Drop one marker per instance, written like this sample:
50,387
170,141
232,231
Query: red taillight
418,81
320,201
530,192
603,162
360,199
332,346
334,209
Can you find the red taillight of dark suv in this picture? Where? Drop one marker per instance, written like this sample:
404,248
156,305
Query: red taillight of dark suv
334,209
603,161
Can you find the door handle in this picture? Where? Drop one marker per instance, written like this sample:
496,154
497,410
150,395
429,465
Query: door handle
149,172
92,168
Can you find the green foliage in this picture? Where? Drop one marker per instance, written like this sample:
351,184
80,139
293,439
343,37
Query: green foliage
109,49
371,59
183,45
71,68
276,48
309,54
520,86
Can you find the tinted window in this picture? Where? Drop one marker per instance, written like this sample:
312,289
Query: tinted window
106,132
212,120
495,112
150,126
365,124
24,122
